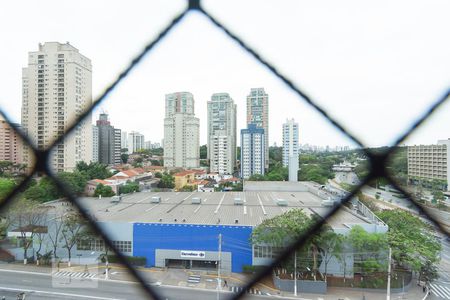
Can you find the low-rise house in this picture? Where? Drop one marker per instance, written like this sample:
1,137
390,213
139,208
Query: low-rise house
184,178
215,176
206,186
92,185
200,174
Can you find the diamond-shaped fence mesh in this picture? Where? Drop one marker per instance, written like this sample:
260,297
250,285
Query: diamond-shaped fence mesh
377,169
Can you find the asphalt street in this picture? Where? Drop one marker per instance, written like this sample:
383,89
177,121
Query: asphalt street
41,286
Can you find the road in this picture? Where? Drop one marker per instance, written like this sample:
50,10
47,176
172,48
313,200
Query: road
440,288
39,286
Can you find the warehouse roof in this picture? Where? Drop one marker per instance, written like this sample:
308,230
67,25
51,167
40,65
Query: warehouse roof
214,208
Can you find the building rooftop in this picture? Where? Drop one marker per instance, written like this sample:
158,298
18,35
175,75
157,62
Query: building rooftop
215,208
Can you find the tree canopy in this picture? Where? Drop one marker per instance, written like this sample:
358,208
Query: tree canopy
167,181
93,170
103,190
412,241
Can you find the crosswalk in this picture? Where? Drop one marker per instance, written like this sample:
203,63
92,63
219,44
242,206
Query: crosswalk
74,274
194,279
237,289
440,291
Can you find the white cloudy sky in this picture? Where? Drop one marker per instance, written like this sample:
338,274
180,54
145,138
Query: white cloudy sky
374,65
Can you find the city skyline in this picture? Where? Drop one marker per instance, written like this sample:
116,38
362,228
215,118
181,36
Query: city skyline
394,61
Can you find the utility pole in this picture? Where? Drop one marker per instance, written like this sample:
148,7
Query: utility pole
219,266
388,292
295,273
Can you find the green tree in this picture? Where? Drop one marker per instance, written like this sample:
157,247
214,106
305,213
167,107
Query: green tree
6,187
203,152
275,154
167,181
124,157
238,187
370,250
44,190
129,187
93,170
73,230
188,188
156,162
362,169
412,241
330,245
315,173
26,217
257,177
137,162
157,151
282,230
104,191
158,175
5,166
75,182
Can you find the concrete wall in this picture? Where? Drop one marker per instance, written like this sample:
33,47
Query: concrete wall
151,237
274,186
303,286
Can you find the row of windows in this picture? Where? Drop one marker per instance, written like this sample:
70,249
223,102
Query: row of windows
99,245
266,251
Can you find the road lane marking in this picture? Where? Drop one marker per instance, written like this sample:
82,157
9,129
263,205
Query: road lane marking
262,206
220,203
56,293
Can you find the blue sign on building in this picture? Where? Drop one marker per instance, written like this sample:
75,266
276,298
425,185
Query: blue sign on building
149,237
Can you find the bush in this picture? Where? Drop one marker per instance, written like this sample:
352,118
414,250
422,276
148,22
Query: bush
252,269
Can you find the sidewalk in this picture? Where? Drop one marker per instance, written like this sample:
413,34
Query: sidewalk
208,280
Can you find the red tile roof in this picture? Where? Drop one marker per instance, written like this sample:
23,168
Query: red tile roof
184,173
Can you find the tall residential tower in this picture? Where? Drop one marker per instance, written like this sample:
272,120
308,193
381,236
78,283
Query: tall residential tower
11,145
109,139
258,114
56,89
222,133
290,148
252,151
181,132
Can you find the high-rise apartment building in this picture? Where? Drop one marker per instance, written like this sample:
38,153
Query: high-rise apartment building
56,89
11,145
94,143
109,140
181,132
117,146
222,133
135,142
124,140
290,148
430,162
252,151
258,114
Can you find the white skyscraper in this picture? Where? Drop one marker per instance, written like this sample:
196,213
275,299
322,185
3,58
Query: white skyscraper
124,140
135,142
258,114
181,132
222,133
56,89
290,148
252,151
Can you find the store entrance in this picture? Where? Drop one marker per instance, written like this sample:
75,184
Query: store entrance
178,263
204,264
191,264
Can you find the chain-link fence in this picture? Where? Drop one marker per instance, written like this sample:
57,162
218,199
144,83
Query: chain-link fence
378,161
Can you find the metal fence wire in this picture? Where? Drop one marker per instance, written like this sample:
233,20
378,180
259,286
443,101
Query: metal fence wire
378,161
